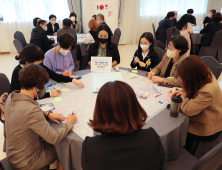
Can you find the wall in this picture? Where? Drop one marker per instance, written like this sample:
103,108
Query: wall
88,11
4,42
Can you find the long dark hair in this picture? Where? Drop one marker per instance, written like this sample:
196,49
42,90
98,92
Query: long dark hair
194,74
149,37
183,21
107,29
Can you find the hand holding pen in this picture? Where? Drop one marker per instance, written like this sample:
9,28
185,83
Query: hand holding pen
66,73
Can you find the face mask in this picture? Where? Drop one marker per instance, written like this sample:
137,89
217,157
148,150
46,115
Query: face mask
175,16
171,54
63,52
144,47
98,22
102,40
45,28
73,18
53,22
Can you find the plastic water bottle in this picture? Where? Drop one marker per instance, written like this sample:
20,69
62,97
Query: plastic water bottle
201,26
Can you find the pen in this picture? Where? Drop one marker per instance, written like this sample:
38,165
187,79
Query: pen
158,94
58,90
151,71
172,92
64,69
73,111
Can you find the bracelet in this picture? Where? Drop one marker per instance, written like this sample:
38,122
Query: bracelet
48,114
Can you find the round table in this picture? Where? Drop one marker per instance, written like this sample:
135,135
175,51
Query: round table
172,131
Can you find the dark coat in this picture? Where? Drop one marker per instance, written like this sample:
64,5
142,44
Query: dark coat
161,33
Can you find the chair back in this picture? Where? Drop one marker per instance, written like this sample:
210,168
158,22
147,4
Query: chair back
18,45
172,32
20,36
117,33
160,52
211,160
154,31
75,60
114,39
5,84
213,64
217,40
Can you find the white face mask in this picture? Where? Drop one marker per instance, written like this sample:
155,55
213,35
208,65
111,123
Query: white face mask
144,47
73,18
175,16
171,54
63,52
53,22
98,22
45,28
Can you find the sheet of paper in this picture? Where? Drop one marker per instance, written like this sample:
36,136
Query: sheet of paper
132,74
57,99
101,64
61,111
118,75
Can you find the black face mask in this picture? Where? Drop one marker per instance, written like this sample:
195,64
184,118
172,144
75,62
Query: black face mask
102,40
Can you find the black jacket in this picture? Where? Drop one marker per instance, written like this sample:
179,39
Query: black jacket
15,84
94,35
210,30
141,150
111,51
161,33
154,61
174,22
192,20
50,31
207,20
39,38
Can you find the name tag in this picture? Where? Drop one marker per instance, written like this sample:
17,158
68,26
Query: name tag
101,64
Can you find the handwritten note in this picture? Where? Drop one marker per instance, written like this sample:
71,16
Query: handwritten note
132,74
57,99
65,89
134,71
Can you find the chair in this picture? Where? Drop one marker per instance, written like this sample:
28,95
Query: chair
160,52
157,43
5,84
74,57
117,33
114,40
213,64
154,31
20,36
172,32
215,49
18,45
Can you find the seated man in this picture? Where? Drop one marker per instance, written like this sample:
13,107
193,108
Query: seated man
100,21
52,25
192,18
39,36
166,23
67,28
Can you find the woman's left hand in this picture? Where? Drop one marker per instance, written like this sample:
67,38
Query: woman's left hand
157,79
78,83
56,116
142,64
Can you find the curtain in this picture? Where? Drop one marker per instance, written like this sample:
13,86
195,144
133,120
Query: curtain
214,4
138,15
75,6
121,9
18,15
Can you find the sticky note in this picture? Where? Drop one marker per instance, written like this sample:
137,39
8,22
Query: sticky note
120,80
65,89
97,89
148,83
57,99
134,71
132,74
118,75
61,111
170,77
168,98
131,77
149,80
125,74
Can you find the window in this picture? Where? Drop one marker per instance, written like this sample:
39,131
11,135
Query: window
1,15
161,7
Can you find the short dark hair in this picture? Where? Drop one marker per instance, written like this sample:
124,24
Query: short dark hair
213,11
190,11
217,17
72,14
117,110
194,74
52,16
107,29
94,16
67,22
33,76
170,14
66,40
101,16
30,53
180,43
35,21
41,22
149,37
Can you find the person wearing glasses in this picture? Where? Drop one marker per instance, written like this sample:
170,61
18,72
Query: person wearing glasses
167,68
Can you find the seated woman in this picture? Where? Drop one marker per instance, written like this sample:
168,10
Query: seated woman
103,47
30,138
59,59
167,68
211,29
33,54
186,29
145,56
91,36
202,98
75,25
123,144
208,18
